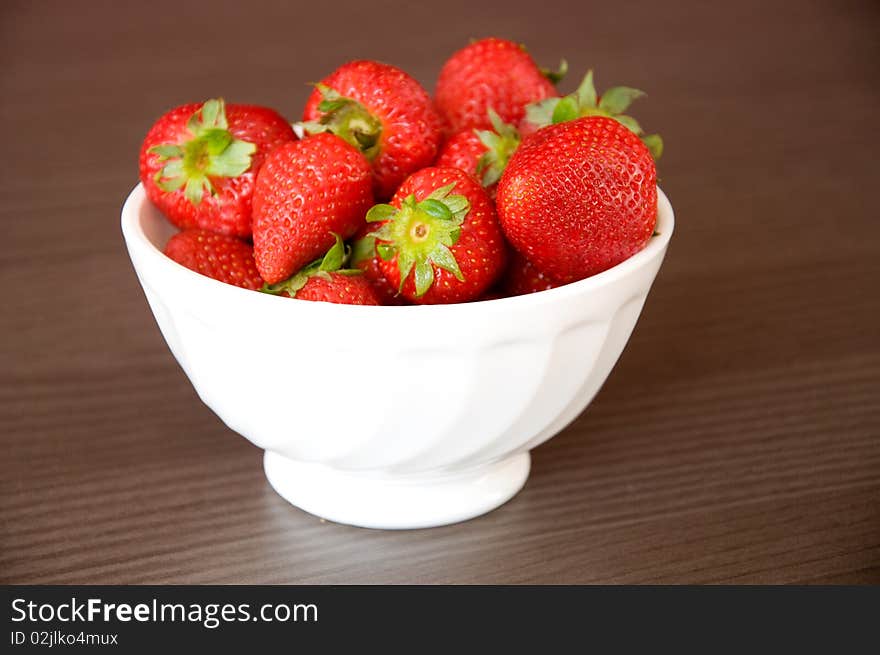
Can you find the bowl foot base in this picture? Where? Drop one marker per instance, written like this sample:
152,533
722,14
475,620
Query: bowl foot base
395,502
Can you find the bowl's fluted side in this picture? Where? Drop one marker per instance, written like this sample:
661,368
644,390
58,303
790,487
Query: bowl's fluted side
405,389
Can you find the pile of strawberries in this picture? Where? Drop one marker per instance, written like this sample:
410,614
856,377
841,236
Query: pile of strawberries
382,195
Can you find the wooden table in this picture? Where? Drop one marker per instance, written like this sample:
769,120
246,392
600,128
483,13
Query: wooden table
737,440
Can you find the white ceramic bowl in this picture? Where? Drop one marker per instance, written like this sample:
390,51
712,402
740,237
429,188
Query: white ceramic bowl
392,417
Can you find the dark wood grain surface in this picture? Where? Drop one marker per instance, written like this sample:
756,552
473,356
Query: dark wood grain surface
737,440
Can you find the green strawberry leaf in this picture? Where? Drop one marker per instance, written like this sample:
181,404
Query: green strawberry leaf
213,115
363,249
291,285
630,123
443,258
459,206
500,142
311,127
331,105
566,110
406,259
617,99
436,194
586,92
586,102
195,189
556,76
381,213
541,113
212,152
424,276
386,252
167,151
654,144
169,184
233,160
437,209
335,257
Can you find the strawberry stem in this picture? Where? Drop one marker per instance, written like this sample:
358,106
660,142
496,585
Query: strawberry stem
211,152
347,119
420,235
586,102
501,142
556,76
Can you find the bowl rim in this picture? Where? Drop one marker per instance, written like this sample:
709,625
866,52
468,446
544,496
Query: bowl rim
137,240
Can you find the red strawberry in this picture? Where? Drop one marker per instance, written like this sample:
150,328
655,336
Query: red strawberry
339,288
198,163
325,280
384,113
306,191
481,153
365,259
586,102
463,151
521,277
579,197
439,239
220,256
490,74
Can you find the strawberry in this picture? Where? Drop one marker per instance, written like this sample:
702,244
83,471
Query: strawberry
521,277
384,113
339,288
306,191
490,74
219,256
198,163
586,102
325,280
439,240
482,153
579,197
365,259
463,151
